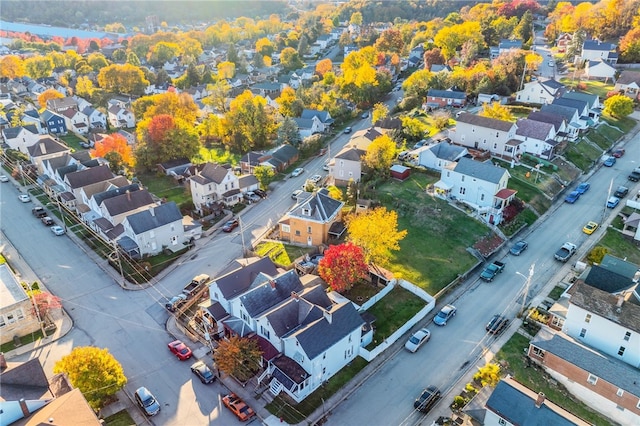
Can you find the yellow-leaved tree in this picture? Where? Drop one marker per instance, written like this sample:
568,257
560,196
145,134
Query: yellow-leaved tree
380,155
495,110
94,371
376,231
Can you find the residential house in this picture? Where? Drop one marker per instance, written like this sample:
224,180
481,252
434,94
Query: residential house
484,133
604,383
440,155
571,117
252,159
174,167
46,149
76,121
559,122
30,117
35,87
59,105
128,136
512,403
604,321
151,231
17,317
442,98
537,138
96,118
436,68
120,115
628,83
267,88
214,183
323,116
308,126
563,41
599,69
88,205
310,221
593,103
346,166
21,138
504,45
541,91
592,50
280,157
74,181
482,186
53,122
119,203
587,115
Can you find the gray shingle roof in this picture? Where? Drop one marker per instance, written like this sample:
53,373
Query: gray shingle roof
447,94
580,106
240,279
606,280
552,84
212,173
323,116
270,293
545,117
533,129
603,304
46,146
162,215
88,176
628,77
299,311
490,123
321,335
606,368
285,152
597,45
564,111
484,171
126,202
581,96
320,207
446,151
620,266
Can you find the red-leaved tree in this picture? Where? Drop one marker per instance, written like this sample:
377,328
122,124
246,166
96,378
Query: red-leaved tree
45,303
114,143
342,266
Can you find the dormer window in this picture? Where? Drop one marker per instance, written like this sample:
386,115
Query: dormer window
306,211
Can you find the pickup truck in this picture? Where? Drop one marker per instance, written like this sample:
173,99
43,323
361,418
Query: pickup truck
195,285
38,212
566,251
489,273
634,176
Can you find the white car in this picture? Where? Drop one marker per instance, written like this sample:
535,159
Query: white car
24,198
551,63
417,339
57,230
4,178
315,178
297,172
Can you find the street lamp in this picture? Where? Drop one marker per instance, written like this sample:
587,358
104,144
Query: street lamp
526,285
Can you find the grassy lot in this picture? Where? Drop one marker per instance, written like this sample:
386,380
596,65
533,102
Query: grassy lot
582,154
434,251
567,171
164,187
556,293
620,247
73,141
542,181
121,418
395,309
604,136
625,124
293,414
282,254
538,381
594,87
530,194
29,338
219,155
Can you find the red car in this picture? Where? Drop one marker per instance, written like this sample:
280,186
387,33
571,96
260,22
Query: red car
180,350
230,225
618,153
238,407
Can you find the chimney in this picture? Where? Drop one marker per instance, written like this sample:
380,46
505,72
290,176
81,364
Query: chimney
3,361
540,399
295,295
43,147
25,409
620,301
273,284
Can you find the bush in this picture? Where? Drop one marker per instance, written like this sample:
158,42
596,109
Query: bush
458,402
597,254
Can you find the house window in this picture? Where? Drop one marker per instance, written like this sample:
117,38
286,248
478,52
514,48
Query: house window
620,392
587,318
583,332
245,317
463,190
627,336
297,232
462,178
481,197
2,323
621,350
502,422
11,318
448,174
308,229
286,228
592,379
538,352
19,314
264,332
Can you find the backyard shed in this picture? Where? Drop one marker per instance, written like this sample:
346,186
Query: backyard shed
400,172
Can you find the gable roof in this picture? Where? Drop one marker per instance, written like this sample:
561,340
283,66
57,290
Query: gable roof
154,218
484,171
14,132
238,280
597,45
48,115
489,123
285,152
319,208
253,158
622,267
533,129
605,304
127,201
628,77
299,310
270,293
88,176
572,103
323,116
545,117
607,280
211,173
46,146
446,151
564,111
590,99
447,94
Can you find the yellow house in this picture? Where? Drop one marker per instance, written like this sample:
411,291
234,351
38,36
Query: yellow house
310,220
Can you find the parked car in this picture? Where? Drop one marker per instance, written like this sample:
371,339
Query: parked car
179,349
519,247
621,192
609,162
295,193
583,187
572,197
347,130
147,401
634,176
260,193
39,212
230,225
46,220
24,198
4,178
315,178
551,63
427,399
590,228
203,372
612,202
175,302
325,167
497,324
57,230
618,153
238,407
251,197
365,115
297,172
417,339
420,143
447,312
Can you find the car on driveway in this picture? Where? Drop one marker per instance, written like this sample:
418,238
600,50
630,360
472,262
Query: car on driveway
572,197
180,350
618,153
295,193
57,230
203,372
24,198
147,401
612,202
497,324
46,220
260,193
621,192
590,228
447,312
417,339
519,247
251,197
583,187
427,399
347,130
230,225
315,178
4,178
238,407
297,172
609,162
325,167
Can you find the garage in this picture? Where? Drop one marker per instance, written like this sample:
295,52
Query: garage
400,172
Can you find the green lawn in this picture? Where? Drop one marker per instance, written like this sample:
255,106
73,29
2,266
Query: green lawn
164,187
625,124
556,293
620,247
121,418
582,154
434,251
219,155
394,310
530,195
73,141
29,338
594,87
282,254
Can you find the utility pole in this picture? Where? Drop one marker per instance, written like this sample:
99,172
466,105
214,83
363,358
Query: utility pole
526,286
244,252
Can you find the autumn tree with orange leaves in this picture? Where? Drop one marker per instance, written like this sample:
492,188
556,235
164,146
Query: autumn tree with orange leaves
48,94
238,357
162,139
116,151
342,266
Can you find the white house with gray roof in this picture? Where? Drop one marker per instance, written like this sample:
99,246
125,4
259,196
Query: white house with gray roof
439,156
540,91
212,184
536,138
153,230
21,138
484,133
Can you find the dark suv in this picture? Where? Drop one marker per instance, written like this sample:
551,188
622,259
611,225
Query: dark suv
38,212
427,399
497,324
621,192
